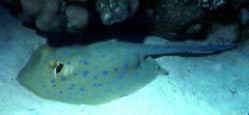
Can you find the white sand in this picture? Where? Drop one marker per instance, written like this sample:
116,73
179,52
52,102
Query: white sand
210,85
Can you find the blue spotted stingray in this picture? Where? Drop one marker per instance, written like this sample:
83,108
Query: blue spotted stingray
100,72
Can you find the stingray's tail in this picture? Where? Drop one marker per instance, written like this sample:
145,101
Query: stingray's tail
181,48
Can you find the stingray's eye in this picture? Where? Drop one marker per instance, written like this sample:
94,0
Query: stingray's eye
59,68
56,66
53,64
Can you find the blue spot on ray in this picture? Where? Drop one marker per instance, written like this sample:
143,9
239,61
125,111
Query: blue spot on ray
126,66
95,77
63,78
120,76
82,89
94,84
115,69
72,86
105,72
70,97
85,73
84,62
52,81
54,94
60,92
75,74
66,52
68,62
99,84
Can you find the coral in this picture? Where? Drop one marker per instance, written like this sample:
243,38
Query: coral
77,17
212,4
114,11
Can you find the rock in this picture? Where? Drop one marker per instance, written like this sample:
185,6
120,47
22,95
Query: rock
49,18
244,44
77,17
195,29
9,2
223,33
76,0
236,4
218,34
174,15
46,14
244,17
216,4
212,4
115,11
245,34
30,8
14,6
